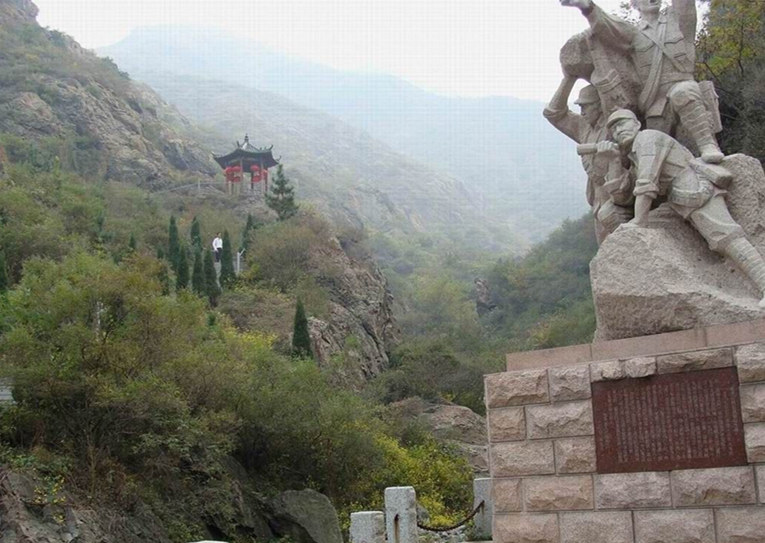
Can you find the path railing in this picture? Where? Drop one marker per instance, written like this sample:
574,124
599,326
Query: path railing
398,523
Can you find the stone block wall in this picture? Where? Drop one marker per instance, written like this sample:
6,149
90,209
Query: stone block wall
543,463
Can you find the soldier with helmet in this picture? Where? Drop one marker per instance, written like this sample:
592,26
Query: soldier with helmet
661,47
662,170
610,210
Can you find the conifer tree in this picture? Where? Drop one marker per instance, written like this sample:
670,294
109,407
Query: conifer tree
227,274
173,245
132,243
197,274
301,339
164,279
211,279
4,283
182,270
248,227
196,235
281,197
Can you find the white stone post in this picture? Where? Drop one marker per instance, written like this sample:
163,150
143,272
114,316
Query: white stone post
239,261
6,392
482,519
401,514
368,527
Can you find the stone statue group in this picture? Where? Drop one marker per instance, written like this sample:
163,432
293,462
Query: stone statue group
642,75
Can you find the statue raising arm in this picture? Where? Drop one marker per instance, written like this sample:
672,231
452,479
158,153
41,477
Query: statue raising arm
685,11
560,116
612,31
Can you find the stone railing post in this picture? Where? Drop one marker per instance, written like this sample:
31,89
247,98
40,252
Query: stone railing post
482,520
401,514
367,527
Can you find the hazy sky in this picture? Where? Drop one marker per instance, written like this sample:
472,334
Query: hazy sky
453,47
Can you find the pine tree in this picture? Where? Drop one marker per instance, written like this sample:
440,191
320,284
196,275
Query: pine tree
196,235
227,274
132,243
281,197
211,279
248,227
164,279
182,270
4,282
301,339
173,245
197,274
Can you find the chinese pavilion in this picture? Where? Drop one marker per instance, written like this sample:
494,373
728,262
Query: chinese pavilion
246,158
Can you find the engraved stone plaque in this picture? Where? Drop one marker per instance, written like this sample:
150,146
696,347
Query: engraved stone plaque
666,422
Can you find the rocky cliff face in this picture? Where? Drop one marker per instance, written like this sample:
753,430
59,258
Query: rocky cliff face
361,308
29,514
18,10
52,87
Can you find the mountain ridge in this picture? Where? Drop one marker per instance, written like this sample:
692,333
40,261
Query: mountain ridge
518,168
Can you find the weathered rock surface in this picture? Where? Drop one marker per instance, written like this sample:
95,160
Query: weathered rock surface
26,518
720,486
305,516
632,490
23,10
71,93
516,388
29,514
575,455
360,307
453,424
665,278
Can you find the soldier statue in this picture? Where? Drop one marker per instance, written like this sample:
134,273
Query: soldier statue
609,207
662,170
661,47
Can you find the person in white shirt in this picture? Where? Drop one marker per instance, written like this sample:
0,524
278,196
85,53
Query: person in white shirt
217,246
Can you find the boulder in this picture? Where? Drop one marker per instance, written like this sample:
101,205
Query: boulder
665,278
452,424
305,516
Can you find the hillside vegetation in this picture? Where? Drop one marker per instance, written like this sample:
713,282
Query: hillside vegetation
143,397
519,172
135,394
129,390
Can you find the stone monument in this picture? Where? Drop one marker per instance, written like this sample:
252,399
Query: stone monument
654,433
657,439
660,277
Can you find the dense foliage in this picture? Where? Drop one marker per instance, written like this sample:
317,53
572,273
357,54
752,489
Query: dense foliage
301,340
540,300
131,391
731,52
544,299
227,274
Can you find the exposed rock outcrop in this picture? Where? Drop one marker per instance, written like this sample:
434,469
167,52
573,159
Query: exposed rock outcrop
68,92
360,323
29,515
665,277
453,424
305,516
19,10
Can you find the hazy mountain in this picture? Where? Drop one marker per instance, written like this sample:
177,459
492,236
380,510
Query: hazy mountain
518,168
335,167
